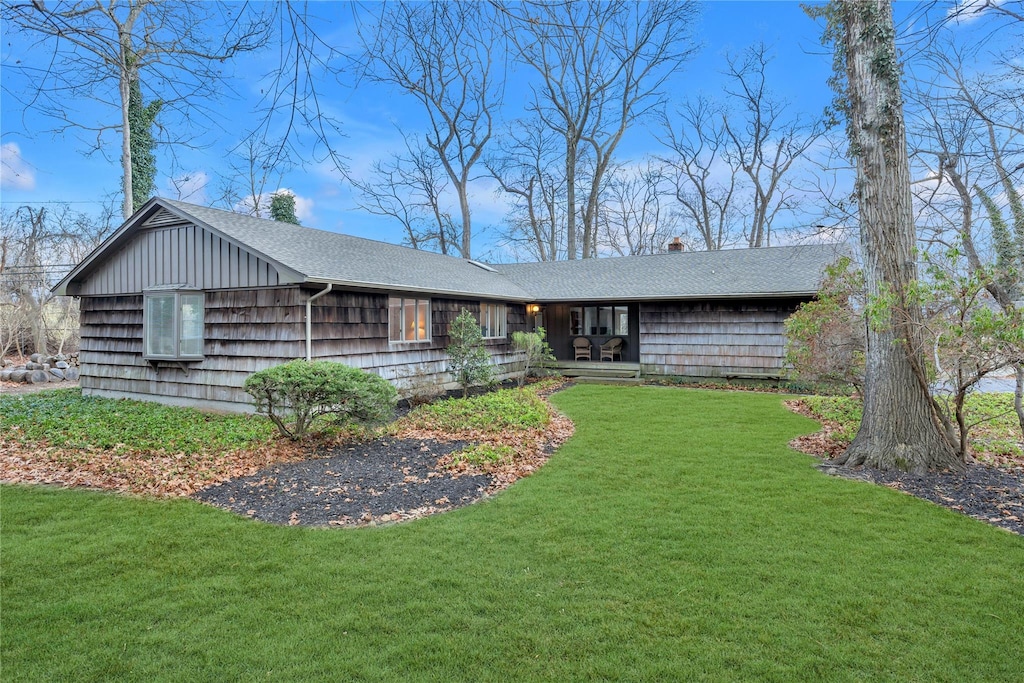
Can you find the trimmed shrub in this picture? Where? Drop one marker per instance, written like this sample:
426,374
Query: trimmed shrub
534,353
295,394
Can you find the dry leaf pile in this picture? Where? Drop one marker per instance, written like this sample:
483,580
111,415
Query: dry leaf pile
177,474
136,472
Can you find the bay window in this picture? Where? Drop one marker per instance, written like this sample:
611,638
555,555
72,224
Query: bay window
172,325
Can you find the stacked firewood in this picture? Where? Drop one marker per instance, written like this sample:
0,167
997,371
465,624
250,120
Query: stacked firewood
41,369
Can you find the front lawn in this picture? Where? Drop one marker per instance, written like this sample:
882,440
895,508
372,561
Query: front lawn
674,537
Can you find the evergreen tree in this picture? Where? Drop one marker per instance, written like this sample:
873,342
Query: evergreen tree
468,360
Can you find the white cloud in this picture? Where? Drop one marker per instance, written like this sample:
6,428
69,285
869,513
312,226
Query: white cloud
15,173
189,187
966,11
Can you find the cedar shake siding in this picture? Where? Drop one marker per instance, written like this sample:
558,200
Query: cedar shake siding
250,330
715,339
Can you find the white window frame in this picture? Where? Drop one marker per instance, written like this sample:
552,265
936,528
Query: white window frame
183,328
493,320
420,334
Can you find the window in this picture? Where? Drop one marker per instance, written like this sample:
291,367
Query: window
172,325
599,320
492,320
408,319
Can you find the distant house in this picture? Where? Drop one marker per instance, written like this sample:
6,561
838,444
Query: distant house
184,302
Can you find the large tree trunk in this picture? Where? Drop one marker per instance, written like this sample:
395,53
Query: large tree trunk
902,427
124,88
570,195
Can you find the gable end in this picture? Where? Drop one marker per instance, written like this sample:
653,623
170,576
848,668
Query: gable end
163,252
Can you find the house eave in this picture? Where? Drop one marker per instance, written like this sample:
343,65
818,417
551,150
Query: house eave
677,297
435,291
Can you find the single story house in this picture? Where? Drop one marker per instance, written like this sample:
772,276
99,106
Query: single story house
183,302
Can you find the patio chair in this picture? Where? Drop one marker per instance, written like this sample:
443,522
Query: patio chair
581,345
611,348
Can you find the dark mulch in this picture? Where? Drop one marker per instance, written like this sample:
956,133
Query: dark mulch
990,494
385,480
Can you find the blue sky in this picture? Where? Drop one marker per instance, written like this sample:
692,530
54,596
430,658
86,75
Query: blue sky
39,166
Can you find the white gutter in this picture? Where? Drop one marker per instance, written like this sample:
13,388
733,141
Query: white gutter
309,319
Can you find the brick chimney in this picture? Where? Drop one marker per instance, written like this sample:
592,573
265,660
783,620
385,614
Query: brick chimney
676,244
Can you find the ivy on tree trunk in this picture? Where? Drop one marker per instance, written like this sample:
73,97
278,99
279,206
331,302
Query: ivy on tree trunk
902,427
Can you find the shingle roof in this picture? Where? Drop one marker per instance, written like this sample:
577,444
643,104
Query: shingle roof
313,255
770,271
334,257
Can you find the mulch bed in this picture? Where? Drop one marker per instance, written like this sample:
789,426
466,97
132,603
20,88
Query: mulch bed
386,480
987,493
991,494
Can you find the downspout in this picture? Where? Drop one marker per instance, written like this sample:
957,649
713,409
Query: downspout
309,319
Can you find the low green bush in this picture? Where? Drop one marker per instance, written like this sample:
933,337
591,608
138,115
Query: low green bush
295,394
535,354
493,412
843,410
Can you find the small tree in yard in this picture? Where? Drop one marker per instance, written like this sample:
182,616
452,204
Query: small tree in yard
825,337
534,352
295,394
970,337
468,360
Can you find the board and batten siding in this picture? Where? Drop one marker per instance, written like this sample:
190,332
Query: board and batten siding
714,339
250,330
178,254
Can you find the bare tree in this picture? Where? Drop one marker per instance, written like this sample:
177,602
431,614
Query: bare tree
967,142
98,50
291,108
257,169
902,426
733,160
766,140
38,246
440,53
602,66
703,173
632,219
527,171
410,188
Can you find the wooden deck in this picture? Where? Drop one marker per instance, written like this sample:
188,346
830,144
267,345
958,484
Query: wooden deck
595,371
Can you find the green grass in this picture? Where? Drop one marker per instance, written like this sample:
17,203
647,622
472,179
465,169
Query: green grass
66,419
674,537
